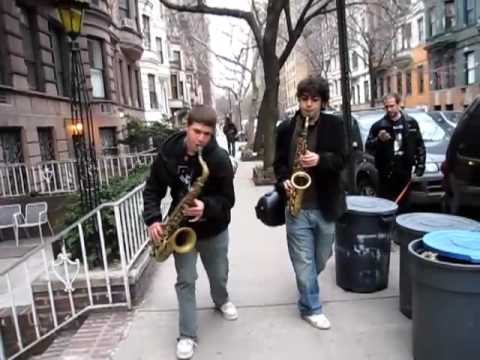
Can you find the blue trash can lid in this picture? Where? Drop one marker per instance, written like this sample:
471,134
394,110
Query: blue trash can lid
425,222
454,244
369,205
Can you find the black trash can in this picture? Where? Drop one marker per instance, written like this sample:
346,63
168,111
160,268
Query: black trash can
446,300
362,245
413,226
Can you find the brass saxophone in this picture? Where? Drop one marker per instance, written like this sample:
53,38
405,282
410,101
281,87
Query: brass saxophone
174,237
300,179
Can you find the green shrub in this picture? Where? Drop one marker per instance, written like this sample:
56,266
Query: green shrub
117,188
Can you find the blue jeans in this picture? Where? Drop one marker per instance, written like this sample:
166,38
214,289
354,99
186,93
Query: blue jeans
214,255
310,240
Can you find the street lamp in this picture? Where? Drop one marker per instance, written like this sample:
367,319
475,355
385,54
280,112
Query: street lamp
71,14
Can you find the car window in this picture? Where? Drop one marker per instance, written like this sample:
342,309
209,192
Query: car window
429,128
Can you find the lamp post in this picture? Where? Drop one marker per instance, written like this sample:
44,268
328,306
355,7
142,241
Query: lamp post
71,14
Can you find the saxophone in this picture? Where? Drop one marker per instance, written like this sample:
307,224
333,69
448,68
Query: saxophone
300,179
174,237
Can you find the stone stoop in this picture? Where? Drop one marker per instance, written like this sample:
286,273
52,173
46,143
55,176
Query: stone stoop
56,348
96,339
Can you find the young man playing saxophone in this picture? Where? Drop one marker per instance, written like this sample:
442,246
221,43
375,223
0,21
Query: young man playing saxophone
177,167
310,233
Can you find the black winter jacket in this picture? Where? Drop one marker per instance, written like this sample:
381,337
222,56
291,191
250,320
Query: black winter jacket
412,146
217,194
331,146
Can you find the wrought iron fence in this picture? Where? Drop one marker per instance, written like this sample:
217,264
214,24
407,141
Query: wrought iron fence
55,177
49,288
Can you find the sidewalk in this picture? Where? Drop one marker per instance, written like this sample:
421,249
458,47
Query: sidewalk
262,285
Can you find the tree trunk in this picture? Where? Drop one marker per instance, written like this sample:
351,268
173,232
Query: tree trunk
268,113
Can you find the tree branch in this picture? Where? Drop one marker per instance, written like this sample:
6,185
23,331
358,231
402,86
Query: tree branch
202,8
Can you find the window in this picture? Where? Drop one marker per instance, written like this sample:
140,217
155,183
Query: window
180,88
449,15
408,82
146,32
450,71
380,87
353,94
97,76
152,92
122,81
389,85
159,48
420,79
60,59
421,34
46,143
124,8
176,58
432,26
358,94
139,84
27,29
399,83
129,84
174,85
469,8
366,90
406,36
469,68
10,146
108,137
355,60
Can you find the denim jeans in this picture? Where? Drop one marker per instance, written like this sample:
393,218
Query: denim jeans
214,255
310,240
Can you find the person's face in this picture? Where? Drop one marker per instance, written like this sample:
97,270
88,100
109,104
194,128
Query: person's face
309,105
391,107
197,135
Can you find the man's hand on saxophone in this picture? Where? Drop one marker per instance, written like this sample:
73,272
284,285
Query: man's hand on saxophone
195,211
155,231
309,159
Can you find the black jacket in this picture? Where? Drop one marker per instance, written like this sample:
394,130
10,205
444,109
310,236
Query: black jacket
230,131
412,146
217,193
331,146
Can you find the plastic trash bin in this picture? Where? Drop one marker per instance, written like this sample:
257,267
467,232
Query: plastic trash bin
362,245
413,226
446,295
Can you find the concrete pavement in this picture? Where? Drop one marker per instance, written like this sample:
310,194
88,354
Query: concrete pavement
262,285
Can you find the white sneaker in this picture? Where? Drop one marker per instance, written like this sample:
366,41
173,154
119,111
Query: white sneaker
229,311
318,321
185,348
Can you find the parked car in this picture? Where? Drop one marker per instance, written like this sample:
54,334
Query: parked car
451,117
426,189
462,165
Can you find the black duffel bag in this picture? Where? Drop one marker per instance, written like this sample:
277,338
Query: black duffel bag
270,209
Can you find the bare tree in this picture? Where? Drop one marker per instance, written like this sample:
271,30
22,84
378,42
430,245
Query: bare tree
319,43
373,29
272,56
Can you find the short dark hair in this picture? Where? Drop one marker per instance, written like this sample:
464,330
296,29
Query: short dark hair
202,114
314,86
395,96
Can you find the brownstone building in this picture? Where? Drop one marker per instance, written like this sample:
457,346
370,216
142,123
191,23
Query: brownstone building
35,123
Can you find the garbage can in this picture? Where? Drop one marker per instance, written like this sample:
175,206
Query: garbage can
446,295
413,226
362,245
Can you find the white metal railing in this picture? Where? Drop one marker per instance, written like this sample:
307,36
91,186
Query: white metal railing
55,279
55,177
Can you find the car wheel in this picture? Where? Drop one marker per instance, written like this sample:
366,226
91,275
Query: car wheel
365,186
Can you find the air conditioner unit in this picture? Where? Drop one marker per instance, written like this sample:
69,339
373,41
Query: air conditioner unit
128,23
